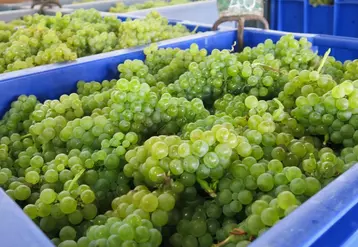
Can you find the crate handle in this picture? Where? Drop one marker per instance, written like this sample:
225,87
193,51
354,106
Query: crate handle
240,19
45,3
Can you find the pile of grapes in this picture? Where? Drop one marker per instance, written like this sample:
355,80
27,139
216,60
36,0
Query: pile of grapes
185,149
38,40
122,8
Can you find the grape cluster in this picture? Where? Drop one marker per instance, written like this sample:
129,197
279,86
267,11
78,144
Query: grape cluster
158,58
123,8
151,29
50,39
90,88
179,62
131,231
16,120
350,68
302,83
185,148
331,115
221,73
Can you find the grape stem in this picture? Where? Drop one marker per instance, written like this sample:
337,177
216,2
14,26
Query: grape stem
324,59
44,148
25,136
194,30
326,139
312,158
277,113
280,105
224,242
234,232
326,94
205,186
237,231
167,180
266,67
214,185
75,179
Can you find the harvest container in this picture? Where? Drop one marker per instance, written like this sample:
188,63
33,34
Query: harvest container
103,5
318,19
15,14
346,18
6,7
197,11
339,19
16,229
289,16
329,219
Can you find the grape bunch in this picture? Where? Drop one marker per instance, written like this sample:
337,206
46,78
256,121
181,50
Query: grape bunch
151,29
350,68
182,149
38,40
16,120
123,8
331,115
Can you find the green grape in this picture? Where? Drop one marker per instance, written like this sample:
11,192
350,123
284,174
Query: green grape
22,192
68,205
224,197
258,206
31,211
245,197
87,196
312,186
166,202
159,217
48,196
269,216
265,182
286,199
292,173
298,186
67,233
149,203
275,166
254,224
68,243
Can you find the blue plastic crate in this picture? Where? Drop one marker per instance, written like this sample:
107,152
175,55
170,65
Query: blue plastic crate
301,16
344,48
16,229
329,219
196,11
346,18
201,12
272,8
318,19
340,19
290,15
5,7
103,5
15,14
